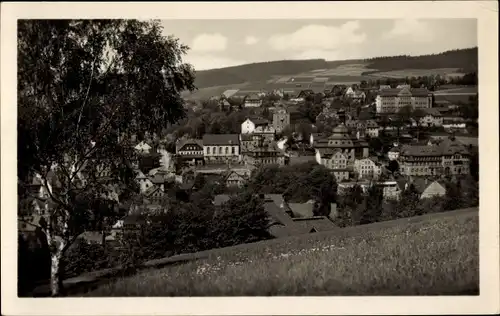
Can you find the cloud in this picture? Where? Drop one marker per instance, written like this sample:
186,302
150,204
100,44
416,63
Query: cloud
204,61
251,40
412,29
319,37
209,43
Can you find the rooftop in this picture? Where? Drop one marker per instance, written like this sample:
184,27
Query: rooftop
221,139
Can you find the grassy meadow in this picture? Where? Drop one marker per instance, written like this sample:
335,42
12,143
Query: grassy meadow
427,255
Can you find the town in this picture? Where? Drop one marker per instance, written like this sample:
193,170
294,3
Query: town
237,168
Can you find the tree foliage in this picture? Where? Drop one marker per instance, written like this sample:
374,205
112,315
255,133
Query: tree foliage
84,88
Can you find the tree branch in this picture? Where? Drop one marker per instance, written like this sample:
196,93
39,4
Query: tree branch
29,223
86,95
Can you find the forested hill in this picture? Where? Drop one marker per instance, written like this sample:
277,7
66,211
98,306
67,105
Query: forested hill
466,59
255,72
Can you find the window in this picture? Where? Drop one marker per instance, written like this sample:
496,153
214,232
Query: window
233,150
227,150
220,150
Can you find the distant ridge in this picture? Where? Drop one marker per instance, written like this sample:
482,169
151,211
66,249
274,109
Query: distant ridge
465,59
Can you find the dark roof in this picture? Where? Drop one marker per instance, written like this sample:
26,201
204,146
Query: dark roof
221,139
328,152
182,142
302,209
317,223
258,120
446,147
394,92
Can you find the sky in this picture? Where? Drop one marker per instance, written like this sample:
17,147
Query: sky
224,43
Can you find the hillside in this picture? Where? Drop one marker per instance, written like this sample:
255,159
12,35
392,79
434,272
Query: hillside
428,255
463,59
255,72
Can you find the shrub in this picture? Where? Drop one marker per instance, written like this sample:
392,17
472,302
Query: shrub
84,257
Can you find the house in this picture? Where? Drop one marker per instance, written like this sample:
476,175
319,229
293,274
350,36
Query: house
432,117
428,188
144,181
263,153
221,148
250,124
335,160
304,94
344,187
391,190
449,157
224,104
454,124
252,100
143,148
235,178
355,94
342,139
392,100
368,168
281,119
393,153
190,150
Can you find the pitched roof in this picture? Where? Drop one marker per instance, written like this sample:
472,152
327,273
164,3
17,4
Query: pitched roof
252,96
433,111
221,139
188,141
258,120
328,152
394,92
302,209
316,223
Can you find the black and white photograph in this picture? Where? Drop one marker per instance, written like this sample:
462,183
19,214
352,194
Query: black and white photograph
256,157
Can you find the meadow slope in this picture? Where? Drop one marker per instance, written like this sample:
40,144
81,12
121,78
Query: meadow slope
428,255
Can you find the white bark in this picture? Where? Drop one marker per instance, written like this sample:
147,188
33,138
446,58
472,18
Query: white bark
56,271
57,245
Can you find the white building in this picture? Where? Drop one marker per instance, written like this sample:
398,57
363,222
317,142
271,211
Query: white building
368,168
392,100
432,117
393,154
143,148
253,101
251,124
221,148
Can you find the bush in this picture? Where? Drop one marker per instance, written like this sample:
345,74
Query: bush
84,257
33,261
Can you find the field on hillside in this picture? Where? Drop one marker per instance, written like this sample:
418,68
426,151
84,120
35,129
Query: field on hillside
428,255
415,73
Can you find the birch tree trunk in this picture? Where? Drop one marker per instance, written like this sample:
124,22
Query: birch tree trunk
56,271
57,245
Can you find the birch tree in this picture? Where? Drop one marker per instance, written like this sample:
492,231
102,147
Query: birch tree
84,88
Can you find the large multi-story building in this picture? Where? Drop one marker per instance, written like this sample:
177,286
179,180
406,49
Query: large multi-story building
335,160
263,153
342,139
392,100
368,168
221,148
447,158
190,150
281,119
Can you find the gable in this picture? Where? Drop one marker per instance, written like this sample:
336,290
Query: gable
190,147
